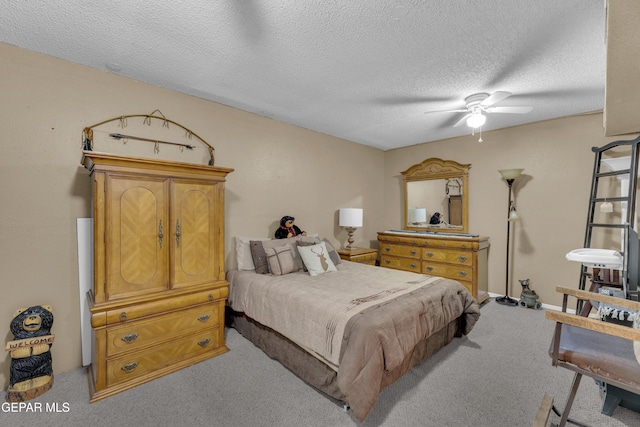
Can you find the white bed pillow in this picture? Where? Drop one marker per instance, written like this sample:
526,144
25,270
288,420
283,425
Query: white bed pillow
243,252
316,258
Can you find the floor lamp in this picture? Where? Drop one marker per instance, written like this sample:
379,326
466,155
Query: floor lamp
509,175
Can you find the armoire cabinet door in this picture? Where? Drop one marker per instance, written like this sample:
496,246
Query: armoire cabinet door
137,234
196,220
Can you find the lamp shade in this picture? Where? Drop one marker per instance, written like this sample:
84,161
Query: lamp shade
417,215
513,215
350,217
476,120
510,173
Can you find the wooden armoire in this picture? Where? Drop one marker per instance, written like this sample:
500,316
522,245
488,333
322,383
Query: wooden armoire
159,289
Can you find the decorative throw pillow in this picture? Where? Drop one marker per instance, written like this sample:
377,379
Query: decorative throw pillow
316,259
281,260
291,243
333,254
243,252
259,257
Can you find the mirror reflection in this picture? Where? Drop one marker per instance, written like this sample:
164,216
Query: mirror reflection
436,196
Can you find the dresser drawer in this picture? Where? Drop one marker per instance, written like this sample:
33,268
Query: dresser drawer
456,272
130,366
450,256
153,330
400,250
407,264
365,259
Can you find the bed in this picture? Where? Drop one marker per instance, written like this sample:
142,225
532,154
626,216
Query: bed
350,330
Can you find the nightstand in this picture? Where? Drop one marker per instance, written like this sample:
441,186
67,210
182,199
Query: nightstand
362,255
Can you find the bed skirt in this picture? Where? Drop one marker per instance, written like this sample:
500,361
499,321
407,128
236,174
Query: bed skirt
318,374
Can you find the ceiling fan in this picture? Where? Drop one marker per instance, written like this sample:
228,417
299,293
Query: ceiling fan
480,104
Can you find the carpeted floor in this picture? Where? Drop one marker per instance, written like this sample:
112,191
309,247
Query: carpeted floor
496,376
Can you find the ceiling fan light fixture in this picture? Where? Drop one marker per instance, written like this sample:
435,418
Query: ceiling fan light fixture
476,120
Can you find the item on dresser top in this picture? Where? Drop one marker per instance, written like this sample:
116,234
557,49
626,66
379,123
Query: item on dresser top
288,229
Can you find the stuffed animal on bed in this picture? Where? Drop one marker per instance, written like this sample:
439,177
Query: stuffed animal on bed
288,229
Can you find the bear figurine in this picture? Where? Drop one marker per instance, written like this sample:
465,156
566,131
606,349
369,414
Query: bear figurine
31,370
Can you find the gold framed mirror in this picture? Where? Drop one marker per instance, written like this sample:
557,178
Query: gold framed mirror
436,186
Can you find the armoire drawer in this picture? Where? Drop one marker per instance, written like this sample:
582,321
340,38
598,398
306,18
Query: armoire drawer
400,250
456,272
407,264
450,256
150,331
133,365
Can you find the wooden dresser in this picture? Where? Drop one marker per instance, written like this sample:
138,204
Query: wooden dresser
461,258
158,297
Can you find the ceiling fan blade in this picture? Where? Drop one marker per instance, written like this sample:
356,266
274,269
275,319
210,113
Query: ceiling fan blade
514,110
462,120
494,98
464,110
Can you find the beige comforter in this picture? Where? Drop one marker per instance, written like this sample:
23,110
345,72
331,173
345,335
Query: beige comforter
360,320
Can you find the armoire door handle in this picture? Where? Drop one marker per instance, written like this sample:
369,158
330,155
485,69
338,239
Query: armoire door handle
178,232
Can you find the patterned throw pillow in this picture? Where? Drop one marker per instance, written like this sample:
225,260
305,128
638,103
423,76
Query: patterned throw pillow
281,260
316,259
259,257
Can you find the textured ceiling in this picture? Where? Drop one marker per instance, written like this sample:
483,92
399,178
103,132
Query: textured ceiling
361,70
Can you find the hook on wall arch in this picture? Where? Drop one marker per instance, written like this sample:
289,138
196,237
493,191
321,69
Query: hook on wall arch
87,133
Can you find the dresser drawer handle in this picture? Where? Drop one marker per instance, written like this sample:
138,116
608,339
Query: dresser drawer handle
130,366
429,268
462,258
388,249
129,338
123,316
203,318
388,261
429,254
204,342
413,265
462,273
413,252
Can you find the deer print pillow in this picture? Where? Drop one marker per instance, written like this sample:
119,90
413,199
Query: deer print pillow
316,258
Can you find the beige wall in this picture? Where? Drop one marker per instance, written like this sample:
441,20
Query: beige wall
279,169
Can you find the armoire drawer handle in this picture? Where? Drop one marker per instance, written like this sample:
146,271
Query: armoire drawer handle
413,252
130,366
387,249
429,268
203,318
204,342
123,316
388,261
462,258
129,338
462,273
429,254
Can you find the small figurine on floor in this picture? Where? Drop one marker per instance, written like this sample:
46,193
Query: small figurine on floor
31,370
288,229
528,296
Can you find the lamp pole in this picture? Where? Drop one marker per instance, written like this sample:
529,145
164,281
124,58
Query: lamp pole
510,176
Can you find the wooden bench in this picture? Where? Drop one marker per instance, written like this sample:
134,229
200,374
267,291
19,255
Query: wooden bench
591,347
